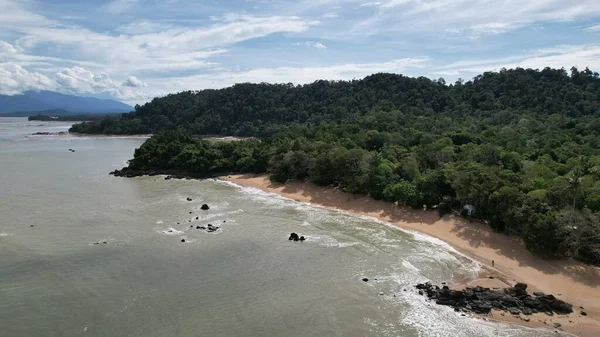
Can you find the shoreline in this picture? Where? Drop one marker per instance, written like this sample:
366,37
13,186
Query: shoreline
568,280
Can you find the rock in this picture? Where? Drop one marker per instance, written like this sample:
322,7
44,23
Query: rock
514,311
296,239
491,277
526,319
168,178
302,238
197,218
293,236
205,207
189,199
198,227
583,313
365,279
482,300
190,212
104,242
31,225
520,286
557,325
183,240
202,227
539,294
380,294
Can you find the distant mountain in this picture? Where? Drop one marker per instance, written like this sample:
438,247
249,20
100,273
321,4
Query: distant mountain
32,102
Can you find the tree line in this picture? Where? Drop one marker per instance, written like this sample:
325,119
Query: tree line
520,148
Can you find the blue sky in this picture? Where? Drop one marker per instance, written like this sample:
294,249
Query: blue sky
134,50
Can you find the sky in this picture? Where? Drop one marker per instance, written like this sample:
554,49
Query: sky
135,50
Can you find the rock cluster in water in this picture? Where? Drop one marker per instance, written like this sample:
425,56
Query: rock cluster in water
480,300
295,237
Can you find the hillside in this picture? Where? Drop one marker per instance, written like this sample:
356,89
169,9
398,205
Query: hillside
33,102
259,109
518,149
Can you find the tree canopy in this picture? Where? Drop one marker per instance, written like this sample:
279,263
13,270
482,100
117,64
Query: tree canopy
520,148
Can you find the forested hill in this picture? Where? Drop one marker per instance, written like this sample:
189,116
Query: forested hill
518,148
259,109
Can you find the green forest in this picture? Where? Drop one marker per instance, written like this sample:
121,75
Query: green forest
521,146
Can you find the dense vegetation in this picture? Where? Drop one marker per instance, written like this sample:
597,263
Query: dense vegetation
522,147
74,118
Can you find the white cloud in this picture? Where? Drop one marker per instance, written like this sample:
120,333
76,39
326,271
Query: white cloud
317,45
566,57
134,82
472,16
6,48
330,15
595,28
78,79
14,79
371,4
177,47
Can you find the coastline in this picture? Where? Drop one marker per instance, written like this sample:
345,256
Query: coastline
568,280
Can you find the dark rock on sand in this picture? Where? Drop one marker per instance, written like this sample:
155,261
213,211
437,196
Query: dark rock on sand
365,279
189,199
183,240
293,236
482,300
302,238
583,313
205,207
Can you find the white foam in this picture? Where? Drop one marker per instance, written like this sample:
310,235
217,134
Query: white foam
328,241
169,231
159,222
5,234
409,265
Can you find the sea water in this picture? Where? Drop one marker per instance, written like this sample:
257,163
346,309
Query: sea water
83,253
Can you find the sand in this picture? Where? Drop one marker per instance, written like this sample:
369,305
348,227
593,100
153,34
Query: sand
569,280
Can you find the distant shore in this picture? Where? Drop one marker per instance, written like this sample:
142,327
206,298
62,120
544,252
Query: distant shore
569,280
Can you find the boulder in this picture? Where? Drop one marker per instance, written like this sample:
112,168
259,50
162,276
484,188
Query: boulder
302,238
205,207
293,236
365,279
183,240
189,199
520,286
583,313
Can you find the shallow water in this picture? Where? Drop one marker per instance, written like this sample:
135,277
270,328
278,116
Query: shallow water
58,278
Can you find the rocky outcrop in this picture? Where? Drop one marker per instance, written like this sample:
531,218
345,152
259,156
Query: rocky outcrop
480,300
170,174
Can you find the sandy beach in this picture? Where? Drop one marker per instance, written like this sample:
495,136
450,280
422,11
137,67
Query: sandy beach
569,280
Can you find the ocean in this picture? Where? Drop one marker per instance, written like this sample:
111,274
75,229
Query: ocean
83,253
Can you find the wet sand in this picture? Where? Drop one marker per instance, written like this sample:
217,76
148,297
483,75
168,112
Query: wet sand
569,280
